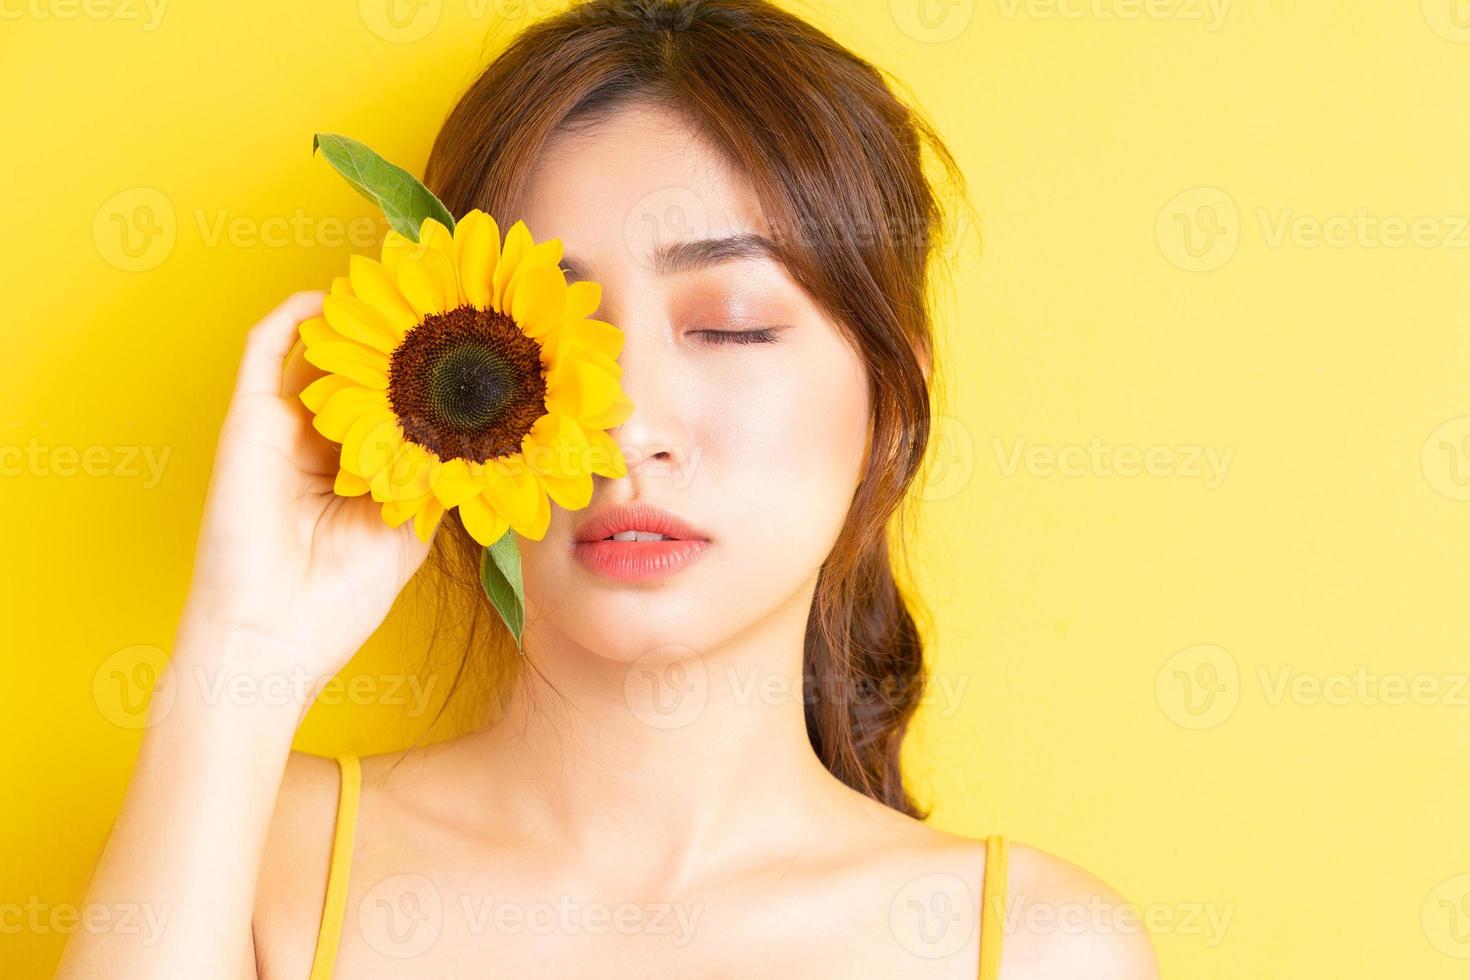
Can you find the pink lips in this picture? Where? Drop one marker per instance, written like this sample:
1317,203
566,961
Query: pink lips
636,561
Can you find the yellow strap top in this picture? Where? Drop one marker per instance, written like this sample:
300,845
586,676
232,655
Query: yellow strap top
992,895
335,905
993,906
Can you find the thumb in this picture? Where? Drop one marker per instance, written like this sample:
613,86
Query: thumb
270,340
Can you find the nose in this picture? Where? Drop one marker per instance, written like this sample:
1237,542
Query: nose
655,439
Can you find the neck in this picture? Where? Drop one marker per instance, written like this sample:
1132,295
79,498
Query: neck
691,757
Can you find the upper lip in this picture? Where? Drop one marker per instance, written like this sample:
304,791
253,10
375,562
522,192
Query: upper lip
608,519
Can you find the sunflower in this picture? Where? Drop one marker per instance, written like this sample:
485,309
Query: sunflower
463,374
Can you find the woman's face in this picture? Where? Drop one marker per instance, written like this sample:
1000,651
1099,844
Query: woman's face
757,445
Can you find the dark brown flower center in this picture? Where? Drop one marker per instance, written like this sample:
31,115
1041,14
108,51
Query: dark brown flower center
467,384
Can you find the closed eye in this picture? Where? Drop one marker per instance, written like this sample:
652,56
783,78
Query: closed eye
763,335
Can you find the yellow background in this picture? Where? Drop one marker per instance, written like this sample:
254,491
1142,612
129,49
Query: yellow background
1109,649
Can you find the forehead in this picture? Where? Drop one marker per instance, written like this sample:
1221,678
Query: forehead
639,179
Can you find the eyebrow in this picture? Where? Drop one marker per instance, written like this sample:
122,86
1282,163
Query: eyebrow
699,253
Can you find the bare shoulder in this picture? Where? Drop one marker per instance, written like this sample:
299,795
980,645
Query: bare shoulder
292,884
1060,921
1063,921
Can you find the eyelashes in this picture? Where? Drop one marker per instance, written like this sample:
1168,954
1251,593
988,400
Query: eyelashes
763,335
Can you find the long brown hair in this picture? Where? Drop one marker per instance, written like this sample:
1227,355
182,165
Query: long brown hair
836,160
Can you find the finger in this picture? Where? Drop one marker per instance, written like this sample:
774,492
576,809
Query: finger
317,454
269,341
298,372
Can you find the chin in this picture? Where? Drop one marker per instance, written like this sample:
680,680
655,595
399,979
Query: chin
626,625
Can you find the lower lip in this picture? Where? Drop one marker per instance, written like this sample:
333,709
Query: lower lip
637,561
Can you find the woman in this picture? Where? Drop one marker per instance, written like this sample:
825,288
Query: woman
697,771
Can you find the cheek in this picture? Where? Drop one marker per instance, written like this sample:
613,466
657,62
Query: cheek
788,439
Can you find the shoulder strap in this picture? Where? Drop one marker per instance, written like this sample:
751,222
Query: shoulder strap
993,906
335,905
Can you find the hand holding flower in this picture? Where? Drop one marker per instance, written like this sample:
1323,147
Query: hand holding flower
296,575
464,373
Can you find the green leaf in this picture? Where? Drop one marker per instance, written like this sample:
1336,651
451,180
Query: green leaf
500,574
404,201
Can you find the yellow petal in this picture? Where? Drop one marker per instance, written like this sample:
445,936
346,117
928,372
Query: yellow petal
511,488
583,298
477,240
546,255
356,320
405,477
365,366
370,444
341,286
346,406
349,485
598,336
582,390
611,369
605,456
316,331
433,234
538,298
427,281
572,493
447,273
315,395
556,446
395,246
535,529
376,287
454,483
484,524
598,341
396,512
517,243
440,259
611,417
427,519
